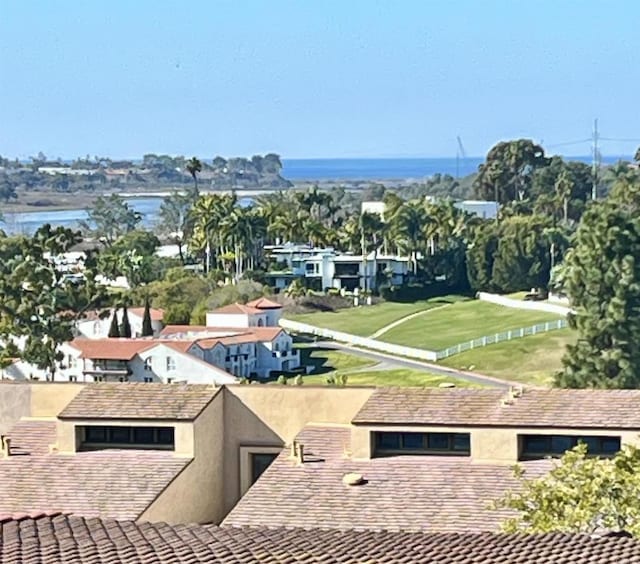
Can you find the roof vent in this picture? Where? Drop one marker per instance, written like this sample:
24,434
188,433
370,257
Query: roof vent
353,479
5,444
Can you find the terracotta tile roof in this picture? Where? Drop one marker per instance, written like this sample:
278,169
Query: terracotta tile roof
173,329
155,314
111,349
408,493
139,401
611,409
236,308
30,436
264,303
63,538
117,484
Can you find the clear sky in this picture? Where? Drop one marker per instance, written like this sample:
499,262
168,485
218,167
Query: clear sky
314,78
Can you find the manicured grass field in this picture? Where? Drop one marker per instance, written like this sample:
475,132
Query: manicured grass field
394,377
531,360
328,360
461,322
366,320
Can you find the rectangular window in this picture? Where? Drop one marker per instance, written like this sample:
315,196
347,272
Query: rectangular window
73,378
389,443
540,446
105,437
148,379
259,463
171,364
148,363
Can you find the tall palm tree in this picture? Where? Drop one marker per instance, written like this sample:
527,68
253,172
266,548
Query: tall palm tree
564,186
194,166
407,224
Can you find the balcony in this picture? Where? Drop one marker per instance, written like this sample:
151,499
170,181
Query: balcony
285,354
108,368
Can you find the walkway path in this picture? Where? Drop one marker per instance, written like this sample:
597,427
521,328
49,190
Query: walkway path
400,321
398,362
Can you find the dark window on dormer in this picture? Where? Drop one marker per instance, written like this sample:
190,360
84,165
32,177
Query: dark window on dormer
390,443
541,446
95,437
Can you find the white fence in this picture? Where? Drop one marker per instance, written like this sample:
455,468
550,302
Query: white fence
421,354
521,304
500,337
356,341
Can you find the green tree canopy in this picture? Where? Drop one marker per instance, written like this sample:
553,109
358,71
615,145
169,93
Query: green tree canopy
507,172
110,218
39,302
603,284
581,494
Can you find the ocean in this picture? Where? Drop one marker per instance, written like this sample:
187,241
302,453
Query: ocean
293,169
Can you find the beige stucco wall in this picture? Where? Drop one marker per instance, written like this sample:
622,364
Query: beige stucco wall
489,445
67,438
196,494
15,402
50,398
271,416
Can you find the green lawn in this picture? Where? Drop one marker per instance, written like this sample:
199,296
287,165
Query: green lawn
366,320
461,322
394,377
531,360
328,360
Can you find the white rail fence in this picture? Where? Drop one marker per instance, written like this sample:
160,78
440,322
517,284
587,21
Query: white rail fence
421,354
503,336
521,304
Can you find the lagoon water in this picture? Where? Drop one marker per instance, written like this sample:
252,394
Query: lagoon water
293,169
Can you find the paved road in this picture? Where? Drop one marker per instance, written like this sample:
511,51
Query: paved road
397,362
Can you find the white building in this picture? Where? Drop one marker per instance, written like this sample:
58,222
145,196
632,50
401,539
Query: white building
481,208
374,207
96,326
239,341
325,268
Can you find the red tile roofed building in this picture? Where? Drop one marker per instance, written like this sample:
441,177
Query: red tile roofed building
258,313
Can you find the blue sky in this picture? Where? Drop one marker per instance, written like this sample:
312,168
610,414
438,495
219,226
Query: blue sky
314,78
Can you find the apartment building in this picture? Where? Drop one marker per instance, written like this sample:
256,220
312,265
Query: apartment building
239,341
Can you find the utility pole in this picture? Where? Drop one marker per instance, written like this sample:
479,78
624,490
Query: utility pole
595,161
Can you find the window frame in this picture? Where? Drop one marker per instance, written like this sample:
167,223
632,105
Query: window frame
549,452
425,449
109,431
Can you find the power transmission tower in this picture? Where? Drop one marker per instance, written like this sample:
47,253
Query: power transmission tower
595,160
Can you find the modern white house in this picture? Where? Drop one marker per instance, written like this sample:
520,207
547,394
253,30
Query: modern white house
322,268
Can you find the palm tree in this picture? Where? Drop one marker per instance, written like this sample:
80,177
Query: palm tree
564,186
194,166
408,227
